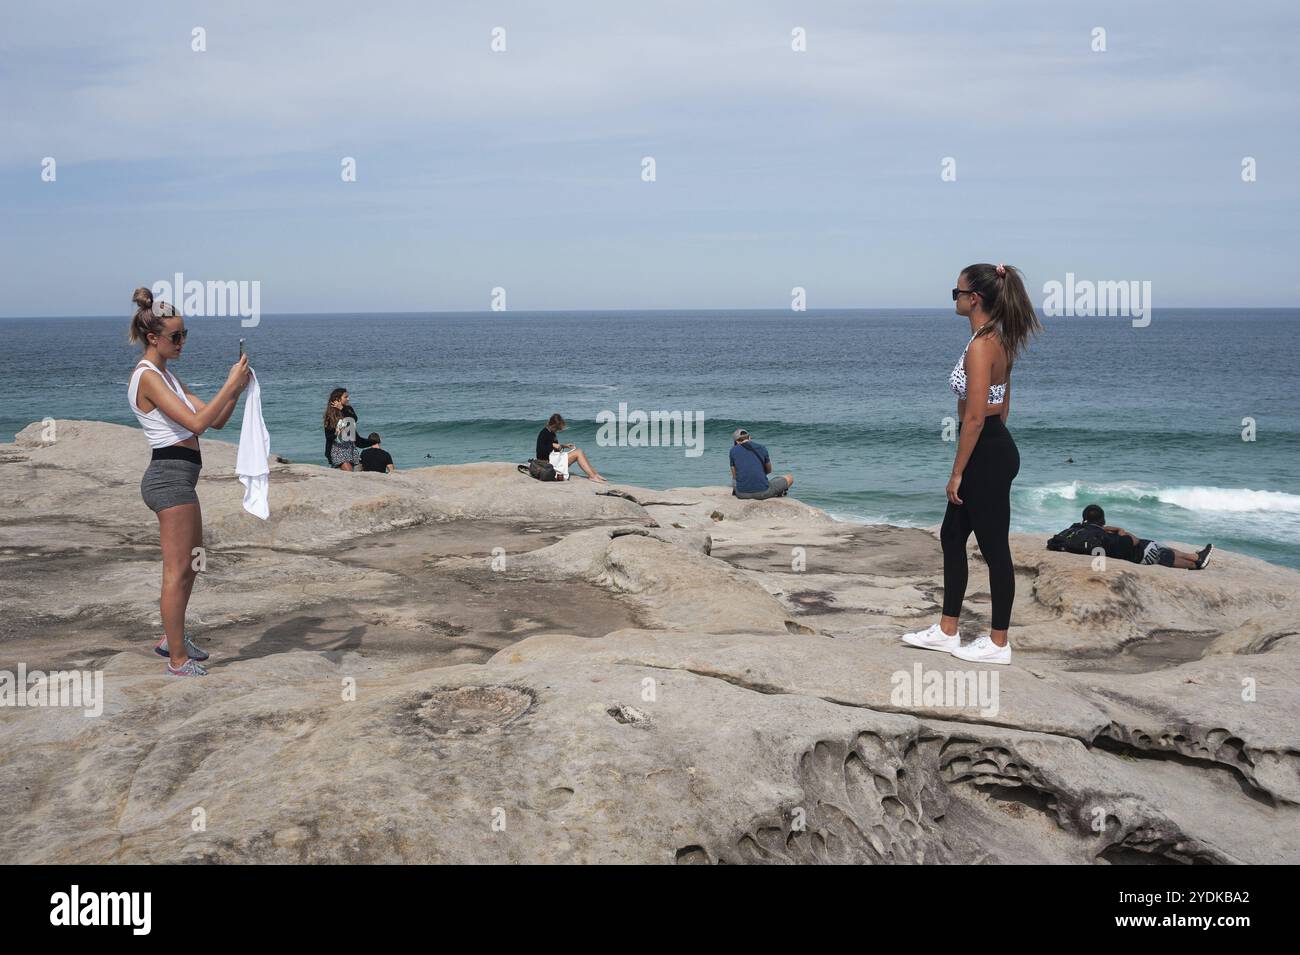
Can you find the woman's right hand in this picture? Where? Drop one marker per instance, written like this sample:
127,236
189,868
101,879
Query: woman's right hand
239,373
954,487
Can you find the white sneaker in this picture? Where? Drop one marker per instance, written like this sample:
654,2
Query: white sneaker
932,638
983,650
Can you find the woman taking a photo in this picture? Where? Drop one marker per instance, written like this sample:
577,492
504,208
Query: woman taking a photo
173,417
993,299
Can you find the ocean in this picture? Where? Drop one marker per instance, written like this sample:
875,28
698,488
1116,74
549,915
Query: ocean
1148,422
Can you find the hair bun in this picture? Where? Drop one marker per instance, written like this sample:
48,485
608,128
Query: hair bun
143,298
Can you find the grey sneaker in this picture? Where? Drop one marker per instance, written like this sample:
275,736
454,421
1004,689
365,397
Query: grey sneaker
192,650
188,668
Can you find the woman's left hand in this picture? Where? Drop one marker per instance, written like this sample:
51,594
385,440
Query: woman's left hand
954,483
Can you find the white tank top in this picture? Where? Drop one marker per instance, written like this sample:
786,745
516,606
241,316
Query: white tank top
160,430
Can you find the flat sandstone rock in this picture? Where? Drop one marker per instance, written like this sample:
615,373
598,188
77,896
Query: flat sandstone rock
460,664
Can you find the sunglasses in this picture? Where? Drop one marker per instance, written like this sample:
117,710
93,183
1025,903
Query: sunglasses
962,291
184,333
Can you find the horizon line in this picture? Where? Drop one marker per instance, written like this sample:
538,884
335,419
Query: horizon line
675,308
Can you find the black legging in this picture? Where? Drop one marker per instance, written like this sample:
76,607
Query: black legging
985,509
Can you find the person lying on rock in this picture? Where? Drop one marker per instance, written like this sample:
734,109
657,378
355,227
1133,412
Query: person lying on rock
1119,544
562,456
750,467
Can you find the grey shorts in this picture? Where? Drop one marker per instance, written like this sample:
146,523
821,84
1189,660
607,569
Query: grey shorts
169,484
776,487
1154,553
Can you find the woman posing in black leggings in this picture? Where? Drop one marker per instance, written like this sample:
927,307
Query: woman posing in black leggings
1002,319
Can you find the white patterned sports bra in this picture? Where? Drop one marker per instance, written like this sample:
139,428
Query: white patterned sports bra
957,380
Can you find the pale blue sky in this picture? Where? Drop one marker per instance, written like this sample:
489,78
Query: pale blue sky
522,169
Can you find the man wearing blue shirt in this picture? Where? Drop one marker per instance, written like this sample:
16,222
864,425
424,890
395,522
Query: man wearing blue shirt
750,467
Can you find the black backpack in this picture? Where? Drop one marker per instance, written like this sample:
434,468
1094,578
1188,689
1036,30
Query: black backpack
1079,539
539,469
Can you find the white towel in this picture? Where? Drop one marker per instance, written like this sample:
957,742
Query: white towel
251,464
560,461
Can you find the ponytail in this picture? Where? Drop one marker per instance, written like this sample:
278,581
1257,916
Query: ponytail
1004,299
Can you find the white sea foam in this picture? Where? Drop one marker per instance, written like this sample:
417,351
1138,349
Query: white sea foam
1231,500
847,518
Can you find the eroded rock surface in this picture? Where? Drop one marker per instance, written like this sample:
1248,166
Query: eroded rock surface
459,664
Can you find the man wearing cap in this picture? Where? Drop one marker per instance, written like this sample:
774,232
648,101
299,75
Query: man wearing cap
750,467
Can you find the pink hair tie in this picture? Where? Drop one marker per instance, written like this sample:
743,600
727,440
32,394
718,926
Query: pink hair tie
1002,269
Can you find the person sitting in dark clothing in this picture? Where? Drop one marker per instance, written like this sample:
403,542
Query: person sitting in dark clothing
375,458
562,456
750,467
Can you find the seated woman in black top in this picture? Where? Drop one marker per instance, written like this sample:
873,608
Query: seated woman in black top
561,456
342,443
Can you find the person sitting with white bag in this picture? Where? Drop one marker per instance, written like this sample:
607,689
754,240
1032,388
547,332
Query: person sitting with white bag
562,456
